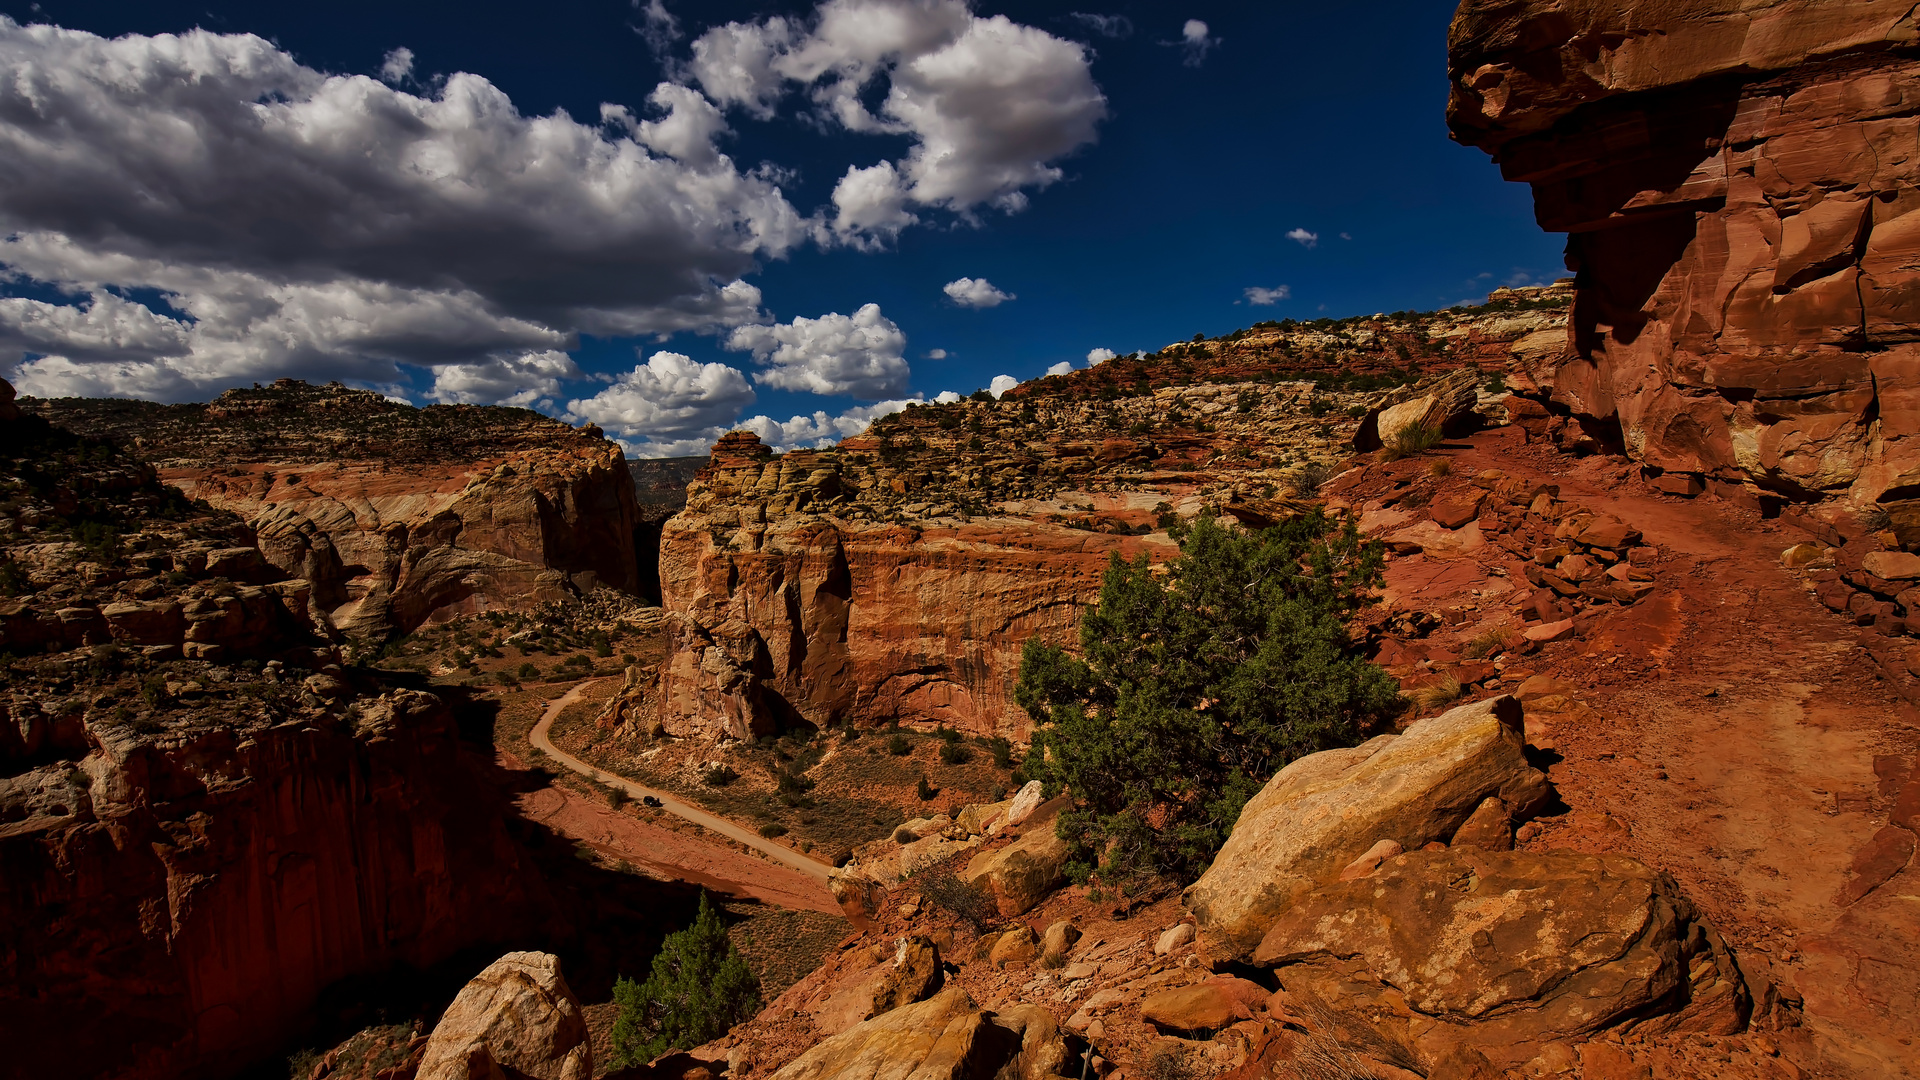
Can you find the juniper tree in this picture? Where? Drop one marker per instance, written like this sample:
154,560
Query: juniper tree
699,987
1195,683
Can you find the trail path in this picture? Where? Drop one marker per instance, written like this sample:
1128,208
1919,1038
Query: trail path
795,880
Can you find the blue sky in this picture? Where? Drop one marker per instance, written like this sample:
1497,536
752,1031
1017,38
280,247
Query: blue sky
430,235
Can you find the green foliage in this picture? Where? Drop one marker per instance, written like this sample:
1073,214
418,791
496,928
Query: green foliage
719,776
773,829
1195,687
99,540
699,987
898,746
925,790
1002,752
952,753
529,671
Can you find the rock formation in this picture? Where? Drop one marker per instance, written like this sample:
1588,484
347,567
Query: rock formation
517,1018
1741,210
897,576
204,819
393,515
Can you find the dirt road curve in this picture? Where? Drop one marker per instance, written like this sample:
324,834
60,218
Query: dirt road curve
818,871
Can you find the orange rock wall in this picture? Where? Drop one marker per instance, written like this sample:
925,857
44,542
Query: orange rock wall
194,900
1740,185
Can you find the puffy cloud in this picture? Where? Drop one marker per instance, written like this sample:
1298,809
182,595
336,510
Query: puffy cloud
1001,384
821,429
1194,43
857,355
946,397
397,67
519,380
674,403
1096,357
1304,238
975,293
990,104
335,226
1061,368
105,327
1262,297
870,206
1113,26
936,354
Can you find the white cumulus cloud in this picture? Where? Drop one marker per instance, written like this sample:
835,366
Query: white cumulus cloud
397,67
335,226
520,380
1001,384
857,355
936,354
989,104
1264,297
821,429
670,405
1194,43
1096,357
975,293
1302,237
1060,368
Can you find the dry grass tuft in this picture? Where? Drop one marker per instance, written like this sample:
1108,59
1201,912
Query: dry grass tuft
1446,690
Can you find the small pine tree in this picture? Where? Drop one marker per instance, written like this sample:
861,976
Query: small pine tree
700,986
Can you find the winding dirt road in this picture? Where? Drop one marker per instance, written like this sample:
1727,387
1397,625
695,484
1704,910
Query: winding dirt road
796,881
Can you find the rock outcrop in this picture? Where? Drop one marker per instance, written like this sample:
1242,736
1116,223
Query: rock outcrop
946,1035
205,820
517,1018
1741,207
1319,814
1507,951
393,515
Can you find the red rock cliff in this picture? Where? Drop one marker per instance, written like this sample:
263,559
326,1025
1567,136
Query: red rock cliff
396,516
1739,183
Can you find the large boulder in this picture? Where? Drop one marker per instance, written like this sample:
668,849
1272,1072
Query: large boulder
1319,814
1021,874
518,1018
1440,403
1513,949
945,1037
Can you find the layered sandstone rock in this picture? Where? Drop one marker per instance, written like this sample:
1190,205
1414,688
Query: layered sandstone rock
1740,187
394,516
1507,951
1319,814
516,1018
946,1035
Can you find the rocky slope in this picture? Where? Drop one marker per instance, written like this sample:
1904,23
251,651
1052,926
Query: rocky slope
1741,212
205,819
897,576
393,516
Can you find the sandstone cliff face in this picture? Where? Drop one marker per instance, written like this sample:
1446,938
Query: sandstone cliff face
394,516
1740,184
897,576
204,819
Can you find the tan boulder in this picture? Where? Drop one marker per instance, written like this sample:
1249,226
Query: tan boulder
1490,828
1891,565
1025,871
1323,811
1172,938
1025,802
1526,948
1204,1007
915,975
945,1037
1058,939
1014,946
516,1018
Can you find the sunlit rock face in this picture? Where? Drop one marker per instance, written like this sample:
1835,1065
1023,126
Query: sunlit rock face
1739,186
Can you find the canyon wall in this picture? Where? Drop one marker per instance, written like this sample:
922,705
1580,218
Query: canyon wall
1739,182
175,905
393,515
898,576
205,820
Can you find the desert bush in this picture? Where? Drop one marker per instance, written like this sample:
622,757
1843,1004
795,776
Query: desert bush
1410,440
617,797
1486,643
699,987
719,775
772,829
925,790
528,671
1440,467
898,746
1435,694
1306,480
952,753
1002,752
1195,684
967,902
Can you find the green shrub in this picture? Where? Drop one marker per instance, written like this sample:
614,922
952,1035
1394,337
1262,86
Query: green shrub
719,776
970,903
925,790
1002,752
699,987
773,829
528,671
898,746
952,753
1194,687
